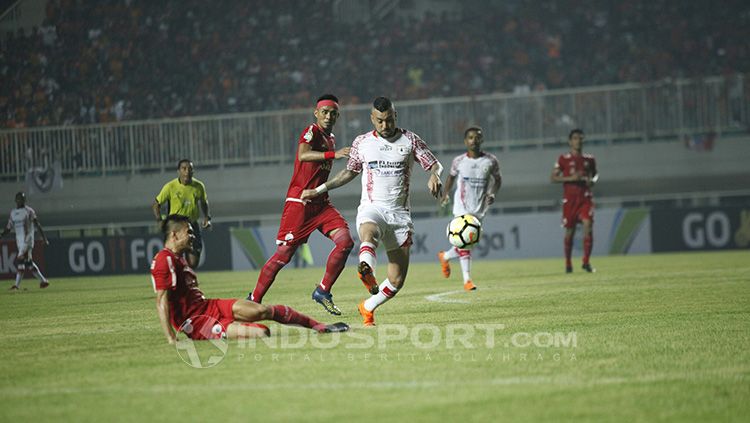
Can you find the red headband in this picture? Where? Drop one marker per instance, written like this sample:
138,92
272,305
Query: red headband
323,103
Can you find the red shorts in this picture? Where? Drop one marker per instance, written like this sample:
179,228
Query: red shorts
299,220
575,211
206,324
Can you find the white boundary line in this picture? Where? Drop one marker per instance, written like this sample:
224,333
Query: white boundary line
438,298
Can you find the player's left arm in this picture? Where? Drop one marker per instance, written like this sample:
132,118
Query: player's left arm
203,202
593,175
41,231
6,230
495,183
435,185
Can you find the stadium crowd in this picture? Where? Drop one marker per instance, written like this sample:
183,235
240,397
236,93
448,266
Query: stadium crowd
104,61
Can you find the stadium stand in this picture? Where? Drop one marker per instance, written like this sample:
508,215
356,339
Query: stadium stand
107,61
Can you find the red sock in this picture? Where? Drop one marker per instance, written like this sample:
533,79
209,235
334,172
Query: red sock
289,316
337,258
568,250
267,275
588,244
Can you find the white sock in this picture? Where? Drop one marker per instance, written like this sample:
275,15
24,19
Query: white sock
19,276
387,291
37,273
367,255
450,253
466,264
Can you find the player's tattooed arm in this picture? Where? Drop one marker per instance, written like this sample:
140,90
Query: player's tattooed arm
305,153
342,178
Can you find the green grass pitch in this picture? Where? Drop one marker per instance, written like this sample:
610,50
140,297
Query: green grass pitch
646,338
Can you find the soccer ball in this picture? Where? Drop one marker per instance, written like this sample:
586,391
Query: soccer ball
464,231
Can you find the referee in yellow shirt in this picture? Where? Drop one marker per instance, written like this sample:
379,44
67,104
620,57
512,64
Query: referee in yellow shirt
184,194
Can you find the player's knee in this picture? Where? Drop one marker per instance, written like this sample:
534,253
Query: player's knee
345,243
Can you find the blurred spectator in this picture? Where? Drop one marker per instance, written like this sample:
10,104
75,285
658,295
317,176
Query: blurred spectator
113,60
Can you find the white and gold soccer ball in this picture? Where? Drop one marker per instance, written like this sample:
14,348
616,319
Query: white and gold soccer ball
464,231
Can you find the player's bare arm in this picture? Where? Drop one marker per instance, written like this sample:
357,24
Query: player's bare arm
41,231
342,178
305,153
162,309
495,184
447,190
156,209
435,185
206,213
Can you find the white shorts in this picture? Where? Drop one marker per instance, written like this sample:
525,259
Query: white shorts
24,246
395,227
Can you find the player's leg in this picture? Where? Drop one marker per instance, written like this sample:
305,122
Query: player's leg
334,266
249,312
568,244
268,273
23,256
465,260
588,244
43,282
369,235
398,266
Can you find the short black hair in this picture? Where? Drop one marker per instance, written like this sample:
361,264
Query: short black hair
575,131
172,222
477,129
382,104
183,161
20,193
327,97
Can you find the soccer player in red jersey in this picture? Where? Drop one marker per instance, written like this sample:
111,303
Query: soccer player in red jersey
315,155
181,305
577,172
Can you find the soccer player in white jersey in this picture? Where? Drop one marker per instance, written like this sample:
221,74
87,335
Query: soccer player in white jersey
22,220
478,178
384,157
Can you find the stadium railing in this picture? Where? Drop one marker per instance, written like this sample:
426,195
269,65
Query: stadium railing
623,113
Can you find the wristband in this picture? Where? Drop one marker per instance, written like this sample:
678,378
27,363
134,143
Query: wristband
328,155
321,189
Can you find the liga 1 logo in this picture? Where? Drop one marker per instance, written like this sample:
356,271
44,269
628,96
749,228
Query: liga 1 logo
202,355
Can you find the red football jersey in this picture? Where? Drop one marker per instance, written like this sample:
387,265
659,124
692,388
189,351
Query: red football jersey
172,273
309,175
570,164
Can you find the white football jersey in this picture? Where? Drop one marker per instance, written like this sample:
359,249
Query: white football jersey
22,221
386,167
472,180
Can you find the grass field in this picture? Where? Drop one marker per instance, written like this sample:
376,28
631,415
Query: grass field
660,337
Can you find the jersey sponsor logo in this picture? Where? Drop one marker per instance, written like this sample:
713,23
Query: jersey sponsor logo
386,147
309,134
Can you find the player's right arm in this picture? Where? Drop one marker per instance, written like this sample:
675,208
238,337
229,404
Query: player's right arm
305,153
342,178
162,309
158,201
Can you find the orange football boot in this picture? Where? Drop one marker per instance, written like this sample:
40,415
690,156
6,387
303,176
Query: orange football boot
364,271
369,316
444,265
469,286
